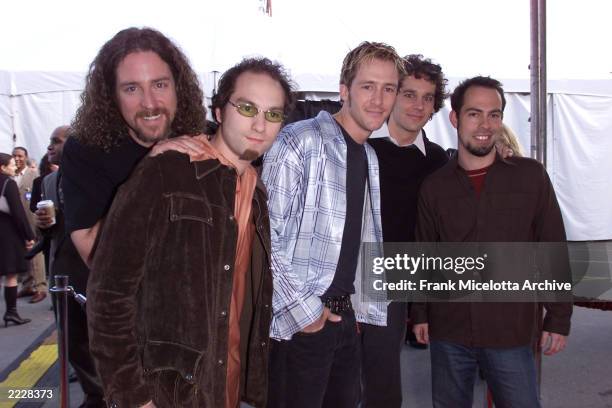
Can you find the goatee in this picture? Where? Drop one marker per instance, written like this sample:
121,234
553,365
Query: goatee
480,151
249,155
143,134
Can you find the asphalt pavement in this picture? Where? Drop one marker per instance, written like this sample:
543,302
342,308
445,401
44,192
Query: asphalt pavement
579,377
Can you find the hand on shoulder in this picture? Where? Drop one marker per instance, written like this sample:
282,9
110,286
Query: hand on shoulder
184,144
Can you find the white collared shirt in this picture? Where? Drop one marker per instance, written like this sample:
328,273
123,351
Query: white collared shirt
383,132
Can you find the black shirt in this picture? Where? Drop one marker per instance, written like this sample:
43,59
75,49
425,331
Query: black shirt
356,176
402,170
91,176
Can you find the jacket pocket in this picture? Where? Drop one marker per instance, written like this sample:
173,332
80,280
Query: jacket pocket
185,206
162,355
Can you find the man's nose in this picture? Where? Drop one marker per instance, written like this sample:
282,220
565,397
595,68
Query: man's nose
259,122
148,100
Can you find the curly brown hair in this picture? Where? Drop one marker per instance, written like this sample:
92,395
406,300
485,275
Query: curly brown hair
98,121
423,68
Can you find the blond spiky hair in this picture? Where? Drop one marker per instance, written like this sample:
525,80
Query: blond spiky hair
368,51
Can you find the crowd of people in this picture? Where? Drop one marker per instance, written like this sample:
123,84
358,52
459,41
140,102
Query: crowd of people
212,281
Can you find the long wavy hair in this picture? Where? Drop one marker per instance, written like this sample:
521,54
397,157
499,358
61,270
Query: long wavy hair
98,121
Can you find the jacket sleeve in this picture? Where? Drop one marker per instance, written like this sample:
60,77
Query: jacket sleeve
549,229
117,271
425,231
18,213
294,305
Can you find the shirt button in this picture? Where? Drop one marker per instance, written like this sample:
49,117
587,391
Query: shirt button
189,377
231,217
226,267
223,313
220,362
263,344
267,306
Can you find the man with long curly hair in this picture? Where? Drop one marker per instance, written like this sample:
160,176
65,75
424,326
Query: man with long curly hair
140,89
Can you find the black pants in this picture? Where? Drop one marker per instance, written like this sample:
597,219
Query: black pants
79,356
380,353
317,370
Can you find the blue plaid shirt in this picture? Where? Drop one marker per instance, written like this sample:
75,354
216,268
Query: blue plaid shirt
305,174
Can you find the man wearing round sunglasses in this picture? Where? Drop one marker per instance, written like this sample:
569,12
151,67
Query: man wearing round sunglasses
324,199
180,291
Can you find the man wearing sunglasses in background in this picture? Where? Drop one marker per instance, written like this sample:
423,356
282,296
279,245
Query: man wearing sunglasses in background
180,291
324,199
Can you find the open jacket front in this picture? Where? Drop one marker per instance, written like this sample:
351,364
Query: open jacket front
161,284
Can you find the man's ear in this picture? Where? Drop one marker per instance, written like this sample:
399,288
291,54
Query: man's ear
453,118
218,117
344,93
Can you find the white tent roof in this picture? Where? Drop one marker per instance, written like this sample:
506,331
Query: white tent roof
466,37
46,48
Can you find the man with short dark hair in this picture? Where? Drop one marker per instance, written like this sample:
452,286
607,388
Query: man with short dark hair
35,281
324,198
65,260
481,197
179,312
20,154
405,157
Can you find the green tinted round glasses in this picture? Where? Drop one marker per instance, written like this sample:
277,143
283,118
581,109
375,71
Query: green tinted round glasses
250,111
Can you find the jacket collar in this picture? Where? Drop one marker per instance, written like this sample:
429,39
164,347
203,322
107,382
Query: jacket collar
330,129
205,167
499,161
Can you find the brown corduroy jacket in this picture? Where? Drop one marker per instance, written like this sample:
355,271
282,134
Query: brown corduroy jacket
161,283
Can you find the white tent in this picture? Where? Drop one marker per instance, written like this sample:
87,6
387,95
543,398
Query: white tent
45,56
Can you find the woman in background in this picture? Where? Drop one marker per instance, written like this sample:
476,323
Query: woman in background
15,237
508,142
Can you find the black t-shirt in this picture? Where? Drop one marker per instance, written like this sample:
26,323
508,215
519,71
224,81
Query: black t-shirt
356,176
90,178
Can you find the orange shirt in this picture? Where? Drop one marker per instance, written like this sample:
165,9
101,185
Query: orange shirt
245,188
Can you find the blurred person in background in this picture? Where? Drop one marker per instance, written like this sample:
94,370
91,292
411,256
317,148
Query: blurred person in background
508,143
48,164
16,237
44,168
32,164
35,279
65,260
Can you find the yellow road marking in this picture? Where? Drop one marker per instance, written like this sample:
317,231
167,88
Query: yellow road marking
29,372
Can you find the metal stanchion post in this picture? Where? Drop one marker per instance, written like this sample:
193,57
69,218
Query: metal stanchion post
60,291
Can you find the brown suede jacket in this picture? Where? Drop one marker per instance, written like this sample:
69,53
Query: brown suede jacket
160,287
